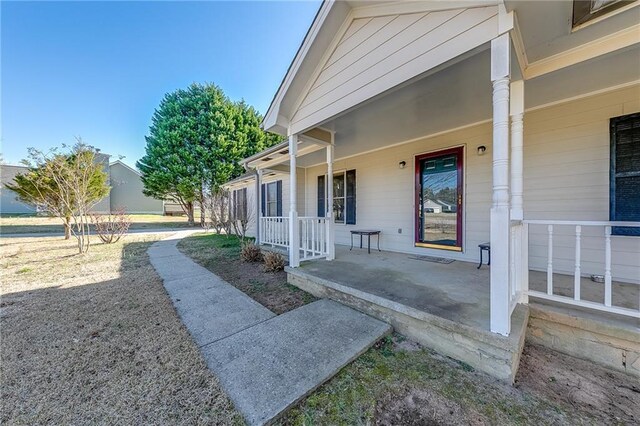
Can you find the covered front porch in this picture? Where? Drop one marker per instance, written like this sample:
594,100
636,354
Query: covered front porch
436,81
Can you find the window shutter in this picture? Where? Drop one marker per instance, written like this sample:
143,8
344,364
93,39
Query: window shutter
625,172
321,197
350,214
279,198
244,204
263,200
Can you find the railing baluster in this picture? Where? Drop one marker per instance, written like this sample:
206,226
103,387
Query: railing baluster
550,260
577,275
607,266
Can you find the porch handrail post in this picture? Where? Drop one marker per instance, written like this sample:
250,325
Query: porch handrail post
500,320
259,206
331,249
294,227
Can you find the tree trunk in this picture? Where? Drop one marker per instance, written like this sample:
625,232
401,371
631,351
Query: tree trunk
190,219
67,227
203,211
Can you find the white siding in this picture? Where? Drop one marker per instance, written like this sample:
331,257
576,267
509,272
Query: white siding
385,193
566,177
380,53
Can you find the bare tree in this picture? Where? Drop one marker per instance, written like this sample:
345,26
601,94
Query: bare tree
111,227
218,205
78,180
243,213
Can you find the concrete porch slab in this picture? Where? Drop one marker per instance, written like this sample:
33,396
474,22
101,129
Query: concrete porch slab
491,353
267,368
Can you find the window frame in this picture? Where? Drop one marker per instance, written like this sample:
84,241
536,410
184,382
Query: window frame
266,200
239,204
344,197
342,173
613,122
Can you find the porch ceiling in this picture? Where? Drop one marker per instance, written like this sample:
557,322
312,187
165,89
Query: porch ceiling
459,95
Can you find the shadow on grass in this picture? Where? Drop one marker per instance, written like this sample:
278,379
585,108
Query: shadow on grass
113,349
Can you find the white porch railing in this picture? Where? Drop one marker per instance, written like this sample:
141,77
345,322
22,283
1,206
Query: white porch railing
313,237
274,231
518,263
579,227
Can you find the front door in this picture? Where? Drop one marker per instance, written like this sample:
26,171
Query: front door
439,192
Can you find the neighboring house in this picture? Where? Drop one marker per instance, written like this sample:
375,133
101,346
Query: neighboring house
104,205
9,203
126,191
526,113
431,206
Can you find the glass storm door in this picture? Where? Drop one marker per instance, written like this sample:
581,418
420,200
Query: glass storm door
439,200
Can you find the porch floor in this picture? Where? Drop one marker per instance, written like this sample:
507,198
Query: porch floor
457,291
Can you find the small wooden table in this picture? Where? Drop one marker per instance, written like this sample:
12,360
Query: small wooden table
485,247
368,233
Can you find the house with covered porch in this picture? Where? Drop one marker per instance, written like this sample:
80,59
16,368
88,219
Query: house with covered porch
519,120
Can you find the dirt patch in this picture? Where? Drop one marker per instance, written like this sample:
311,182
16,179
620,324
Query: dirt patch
94,339
422,407
397,383
607,395
221,255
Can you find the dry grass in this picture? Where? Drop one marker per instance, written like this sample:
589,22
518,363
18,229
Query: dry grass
94,339
33,224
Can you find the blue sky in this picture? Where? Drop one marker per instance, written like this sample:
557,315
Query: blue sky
99,69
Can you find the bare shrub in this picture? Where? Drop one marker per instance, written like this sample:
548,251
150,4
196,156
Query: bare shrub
251,253
111,227
273,262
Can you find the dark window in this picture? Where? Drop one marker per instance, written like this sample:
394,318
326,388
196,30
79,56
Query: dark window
238,206
322,212
586,10
272,199
624,197
344,197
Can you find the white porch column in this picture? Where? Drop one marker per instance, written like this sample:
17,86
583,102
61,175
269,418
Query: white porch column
259,206
517,142
331,248
520,274
499,299
294,227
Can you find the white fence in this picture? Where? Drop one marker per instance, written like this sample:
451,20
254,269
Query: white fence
313,237
599,237
274,231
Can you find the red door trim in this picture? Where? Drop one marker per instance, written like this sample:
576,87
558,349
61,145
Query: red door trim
459,152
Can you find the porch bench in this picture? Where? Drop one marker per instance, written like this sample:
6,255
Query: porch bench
485,247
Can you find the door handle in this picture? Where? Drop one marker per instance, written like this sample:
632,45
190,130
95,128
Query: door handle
459,199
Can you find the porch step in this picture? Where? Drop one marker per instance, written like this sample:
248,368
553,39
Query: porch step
493,354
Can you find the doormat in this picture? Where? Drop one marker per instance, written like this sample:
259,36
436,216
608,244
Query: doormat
433,259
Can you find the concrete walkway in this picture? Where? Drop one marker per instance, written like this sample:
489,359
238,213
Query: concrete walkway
266,363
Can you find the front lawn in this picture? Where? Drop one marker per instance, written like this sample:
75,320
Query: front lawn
47,225
93,338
